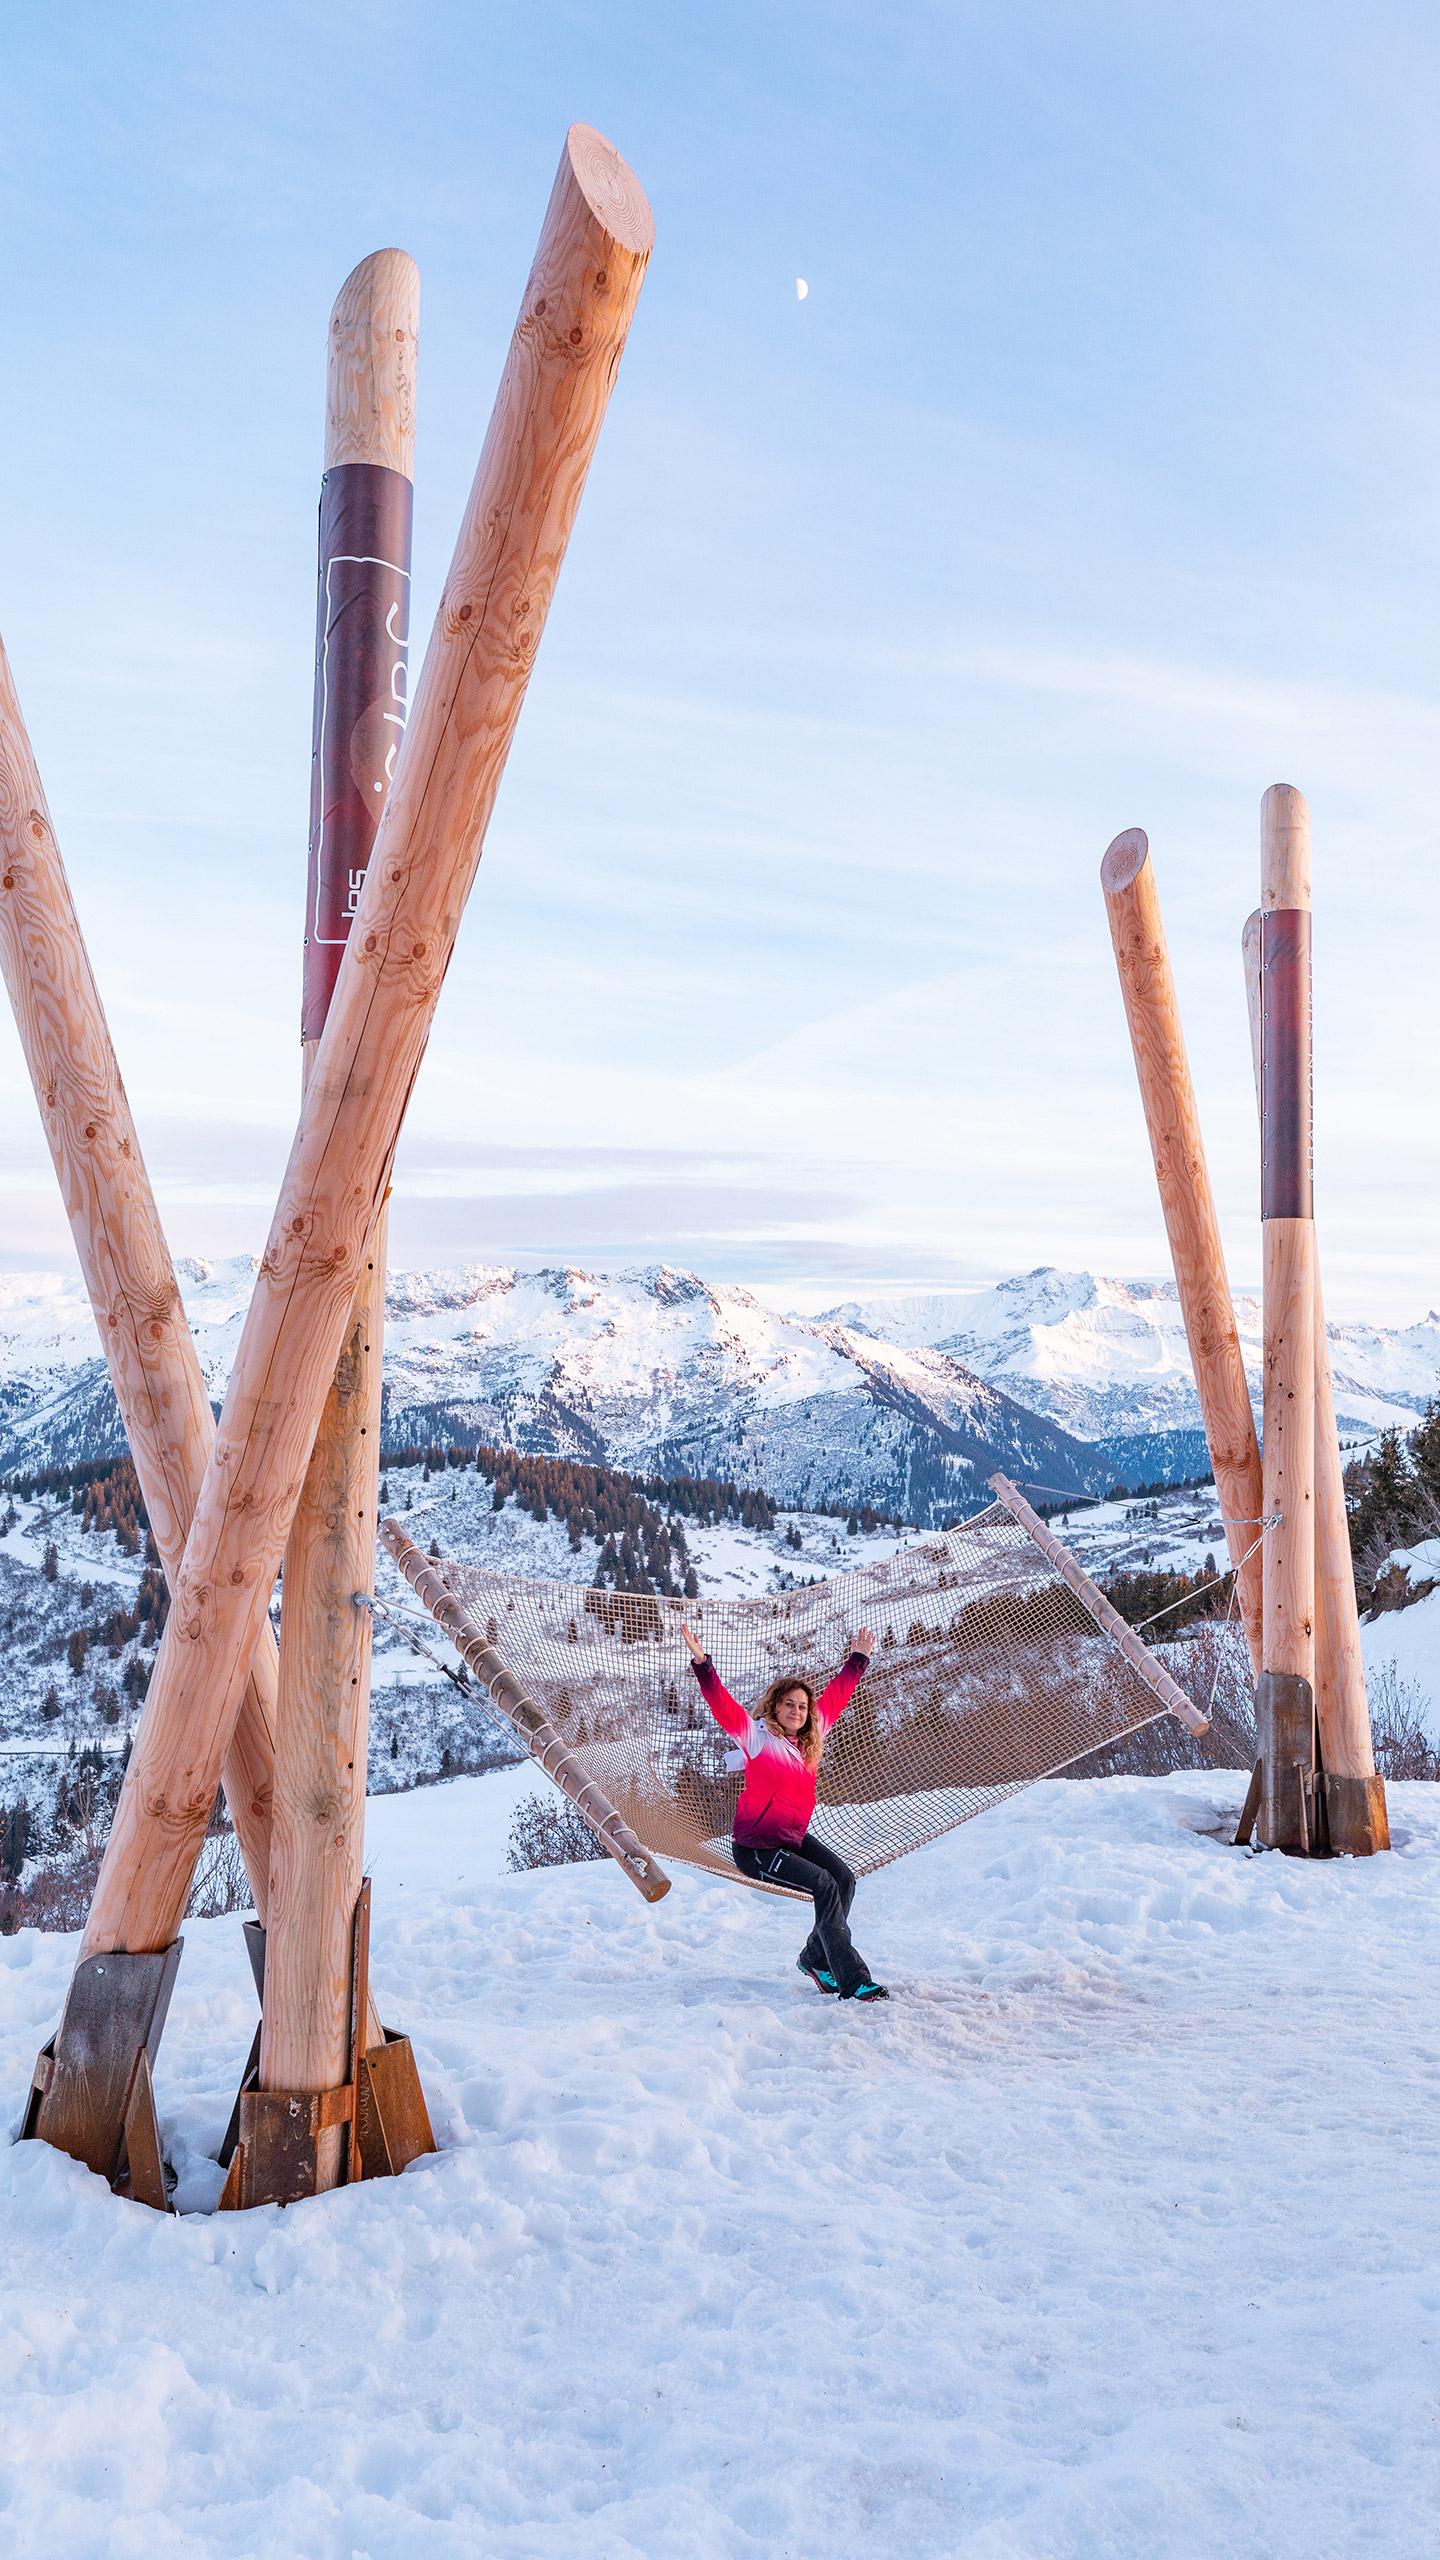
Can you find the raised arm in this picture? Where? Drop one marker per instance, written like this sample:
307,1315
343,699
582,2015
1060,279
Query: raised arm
835,1697
728,1714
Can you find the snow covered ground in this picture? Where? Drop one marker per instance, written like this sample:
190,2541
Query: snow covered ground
1117,2233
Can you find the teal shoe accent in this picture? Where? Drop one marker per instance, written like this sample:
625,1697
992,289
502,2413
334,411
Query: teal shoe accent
822,1980
867,1991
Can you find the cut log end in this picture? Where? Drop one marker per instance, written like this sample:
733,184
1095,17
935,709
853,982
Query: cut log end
370,386
1124,861
1284,848
611,189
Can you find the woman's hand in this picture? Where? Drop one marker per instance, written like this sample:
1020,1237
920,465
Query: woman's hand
694,1646
864,1642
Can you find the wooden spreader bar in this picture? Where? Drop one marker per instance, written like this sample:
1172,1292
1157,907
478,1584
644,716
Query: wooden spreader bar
1138,1654
536,1732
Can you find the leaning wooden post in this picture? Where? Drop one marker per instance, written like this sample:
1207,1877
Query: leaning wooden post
557,381
1285,1693
1354,1792
1137,930
124,1258
322,1733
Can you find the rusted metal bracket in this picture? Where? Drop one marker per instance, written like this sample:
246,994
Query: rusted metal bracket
1246,1824
91,2093
272,2146
1287,1803
250,2076
1355,1812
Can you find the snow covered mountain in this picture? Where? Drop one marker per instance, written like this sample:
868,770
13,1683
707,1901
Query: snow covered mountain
909,1402
1107,1360
646,1369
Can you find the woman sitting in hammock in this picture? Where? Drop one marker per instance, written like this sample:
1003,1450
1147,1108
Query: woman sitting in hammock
773,1844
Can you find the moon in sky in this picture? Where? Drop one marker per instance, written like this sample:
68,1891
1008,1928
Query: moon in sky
801,288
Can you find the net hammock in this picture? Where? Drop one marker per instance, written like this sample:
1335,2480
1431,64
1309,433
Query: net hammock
998,1662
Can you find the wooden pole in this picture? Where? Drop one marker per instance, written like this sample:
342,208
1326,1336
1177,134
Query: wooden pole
1355,1795
534,1728
1137,930
1285,1694
1287,1214
124,1258
553,394
1137,1653
323,1720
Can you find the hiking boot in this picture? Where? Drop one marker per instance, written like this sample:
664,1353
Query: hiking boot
817,1974
866,1991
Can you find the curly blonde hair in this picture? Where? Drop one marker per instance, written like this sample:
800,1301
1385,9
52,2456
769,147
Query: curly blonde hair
810,1740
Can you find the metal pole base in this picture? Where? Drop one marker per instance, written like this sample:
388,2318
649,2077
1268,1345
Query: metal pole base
250,2076
91,2093
272,2146
1359,1822
1286,1806
393,2119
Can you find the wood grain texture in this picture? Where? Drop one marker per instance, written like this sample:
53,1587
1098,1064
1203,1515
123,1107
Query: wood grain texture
317,1837
123,1255
1173,1122
370,377
1137,1653
1284,848
553,394
1342,1702
1288,1445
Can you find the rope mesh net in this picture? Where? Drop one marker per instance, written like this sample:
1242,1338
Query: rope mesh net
990,1672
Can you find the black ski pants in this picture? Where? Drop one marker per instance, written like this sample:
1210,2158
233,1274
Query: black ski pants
814,1869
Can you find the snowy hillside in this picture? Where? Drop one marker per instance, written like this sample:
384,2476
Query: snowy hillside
707,2267
1107,1360
646,1369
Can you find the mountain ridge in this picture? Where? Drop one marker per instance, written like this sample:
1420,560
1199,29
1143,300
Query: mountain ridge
1069,1381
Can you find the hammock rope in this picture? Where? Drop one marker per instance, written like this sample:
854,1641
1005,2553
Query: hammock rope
998,1663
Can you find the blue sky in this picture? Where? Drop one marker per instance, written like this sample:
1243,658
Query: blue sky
1094,484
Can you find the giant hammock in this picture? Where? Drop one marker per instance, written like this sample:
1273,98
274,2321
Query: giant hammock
998,1662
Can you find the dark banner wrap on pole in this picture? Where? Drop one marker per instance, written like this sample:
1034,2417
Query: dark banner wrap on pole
1286,1183
362,639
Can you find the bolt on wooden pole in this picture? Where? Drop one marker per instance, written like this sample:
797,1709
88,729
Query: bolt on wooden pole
323,1715
553,395
1355,1794
124,1258
1172,1121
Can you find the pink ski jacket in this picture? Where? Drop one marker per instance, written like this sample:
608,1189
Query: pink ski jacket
778,1796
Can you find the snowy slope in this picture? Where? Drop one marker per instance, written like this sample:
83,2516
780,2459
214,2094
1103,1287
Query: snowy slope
1114,2239
646,1369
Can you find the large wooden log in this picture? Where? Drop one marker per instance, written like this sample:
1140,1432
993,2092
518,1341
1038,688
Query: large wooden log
123,1255
1284,1697
1355,1795
322,1736
1152,1011
553,394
